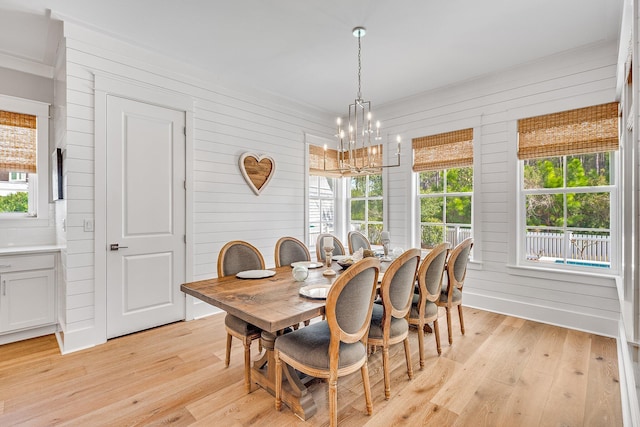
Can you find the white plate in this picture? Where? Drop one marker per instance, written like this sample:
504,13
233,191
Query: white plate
315,291
255,274
308,264
340,257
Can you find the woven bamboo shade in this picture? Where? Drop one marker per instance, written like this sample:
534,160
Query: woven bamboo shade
317,161
17,142
443,151
585,130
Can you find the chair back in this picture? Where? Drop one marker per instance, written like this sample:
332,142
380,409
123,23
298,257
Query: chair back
237,256
430,276
350,303
457,264
356,241
290,249
338,248
398,284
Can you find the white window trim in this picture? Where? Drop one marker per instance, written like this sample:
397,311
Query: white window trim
41,111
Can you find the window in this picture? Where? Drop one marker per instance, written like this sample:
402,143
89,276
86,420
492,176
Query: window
444,166
567,186
366,203
23,158
321,207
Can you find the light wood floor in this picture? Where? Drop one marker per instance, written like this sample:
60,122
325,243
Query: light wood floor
503,372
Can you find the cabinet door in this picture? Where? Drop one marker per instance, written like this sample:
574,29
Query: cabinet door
27,299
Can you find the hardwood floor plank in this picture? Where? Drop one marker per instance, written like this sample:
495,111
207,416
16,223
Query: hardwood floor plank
602,407
504,372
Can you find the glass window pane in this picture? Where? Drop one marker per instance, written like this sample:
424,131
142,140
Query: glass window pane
431,235
359,226
588,170
374,233
588,210
541,243
375,210
313,186
543,173
590,249
545,210
357,210
431,209
460,180
459,210
14,192
431,182
358,186
375,185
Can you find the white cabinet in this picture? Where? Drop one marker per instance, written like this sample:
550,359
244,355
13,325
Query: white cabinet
27,291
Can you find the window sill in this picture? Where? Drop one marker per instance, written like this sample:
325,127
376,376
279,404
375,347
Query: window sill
546,272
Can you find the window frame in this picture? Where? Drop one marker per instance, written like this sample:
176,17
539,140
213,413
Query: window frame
41,186
613,189
442,195
310,198
366,198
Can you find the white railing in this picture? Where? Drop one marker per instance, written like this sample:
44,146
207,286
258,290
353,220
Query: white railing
580,246
456,234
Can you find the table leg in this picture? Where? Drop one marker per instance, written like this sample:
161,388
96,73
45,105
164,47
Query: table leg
294,393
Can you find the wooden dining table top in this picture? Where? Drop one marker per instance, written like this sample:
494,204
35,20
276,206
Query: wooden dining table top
271,303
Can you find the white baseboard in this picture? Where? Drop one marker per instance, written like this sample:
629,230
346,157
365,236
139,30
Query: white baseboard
80,339
27,334
567,319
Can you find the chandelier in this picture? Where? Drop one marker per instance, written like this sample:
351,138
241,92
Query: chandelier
359,143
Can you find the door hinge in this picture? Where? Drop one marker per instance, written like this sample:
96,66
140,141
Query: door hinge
184,236
184,184
184,130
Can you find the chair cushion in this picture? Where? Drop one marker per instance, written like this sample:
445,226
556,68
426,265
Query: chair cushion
456,297
398,326
431,309
310,346
239,325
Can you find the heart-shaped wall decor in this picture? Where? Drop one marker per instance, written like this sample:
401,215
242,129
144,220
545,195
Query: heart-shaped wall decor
257,170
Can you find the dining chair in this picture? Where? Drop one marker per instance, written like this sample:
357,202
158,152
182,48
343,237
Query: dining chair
456,269
234,257
338,247
424,308
388,320
356,241
289,250
336,346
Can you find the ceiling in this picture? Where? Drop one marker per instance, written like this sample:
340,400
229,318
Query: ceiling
303,50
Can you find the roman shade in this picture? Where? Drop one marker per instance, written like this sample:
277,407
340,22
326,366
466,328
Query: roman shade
443,151
17,142
325,162
584,130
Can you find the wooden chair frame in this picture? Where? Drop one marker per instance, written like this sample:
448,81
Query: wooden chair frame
338,335
454,282
245,339
424,295
276,253
390,312
336,243
350,236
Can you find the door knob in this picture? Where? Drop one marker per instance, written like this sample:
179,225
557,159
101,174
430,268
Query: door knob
116,246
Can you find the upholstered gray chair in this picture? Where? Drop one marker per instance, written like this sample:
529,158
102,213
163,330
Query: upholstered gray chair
289,250
357,240
424,308
451,295
234,257
334,347
338,248
388,323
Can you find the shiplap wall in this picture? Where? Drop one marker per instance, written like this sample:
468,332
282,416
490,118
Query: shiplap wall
226,123
492,105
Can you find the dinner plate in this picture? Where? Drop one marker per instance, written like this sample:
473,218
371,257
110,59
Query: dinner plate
255,274
340,257
315,291
308,264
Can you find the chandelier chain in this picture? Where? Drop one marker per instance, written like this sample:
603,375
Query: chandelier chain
359,67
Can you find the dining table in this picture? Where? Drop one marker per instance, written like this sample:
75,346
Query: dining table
275,305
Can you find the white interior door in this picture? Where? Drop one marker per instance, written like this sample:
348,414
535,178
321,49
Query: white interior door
145,215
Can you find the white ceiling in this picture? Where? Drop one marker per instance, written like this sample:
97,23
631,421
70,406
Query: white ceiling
304,49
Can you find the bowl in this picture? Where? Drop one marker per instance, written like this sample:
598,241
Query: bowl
345,263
